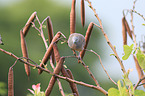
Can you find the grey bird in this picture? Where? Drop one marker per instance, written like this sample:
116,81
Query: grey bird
76,41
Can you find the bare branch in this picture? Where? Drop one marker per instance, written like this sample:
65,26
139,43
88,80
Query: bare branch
107,39
103,66
61,77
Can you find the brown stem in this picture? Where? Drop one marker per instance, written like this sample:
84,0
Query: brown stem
91,74
40,30
60,87
138,83
103,66
76,93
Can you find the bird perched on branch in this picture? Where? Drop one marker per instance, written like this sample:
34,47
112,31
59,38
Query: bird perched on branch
76,41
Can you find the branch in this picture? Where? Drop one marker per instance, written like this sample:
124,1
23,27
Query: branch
138,83
107,39
103,66
58,76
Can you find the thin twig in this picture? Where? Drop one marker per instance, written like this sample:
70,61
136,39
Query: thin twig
138,83
41,32
138,68
57,70
103,66
107,39
134,37
87,68
134,4
35,27
139,14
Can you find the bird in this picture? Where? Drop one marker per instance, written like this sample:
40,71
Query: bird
1,43
76,41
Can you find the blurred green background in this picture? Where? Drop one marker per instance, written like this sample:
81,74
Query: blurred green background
13,17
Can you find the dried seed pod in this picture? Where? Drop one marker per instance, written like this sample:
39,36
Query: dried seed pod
82,13
50,35
128,28
56,52
28,24
87,37
50,29
57,69
124,33
48,52
75,90
10,82
64,71
72,18
25,53
139,70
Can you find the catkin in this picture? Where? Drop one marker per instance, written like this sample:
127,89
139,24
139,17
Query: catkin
28,24
75,90
25,53
72,18
50,35
57,69
128,28
10,82
82,13
124,33
87,37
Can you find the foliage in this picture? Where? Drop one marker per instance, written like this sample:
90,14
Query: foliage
141,58
125,89
127,51
3,90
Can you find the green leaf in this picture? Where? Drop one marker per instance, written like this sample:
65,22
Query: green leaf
141,58
122,89
3,90
127,51
127,82
139,93
119,85
112,54
143,24
129,85
113,92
